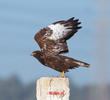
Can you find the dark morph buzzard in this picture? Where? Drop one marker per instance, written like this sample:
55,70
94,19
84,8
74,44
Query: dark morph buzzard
52,42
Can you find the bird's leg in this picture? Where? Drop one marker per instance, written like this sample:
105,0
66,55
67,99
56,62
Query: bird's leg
62,74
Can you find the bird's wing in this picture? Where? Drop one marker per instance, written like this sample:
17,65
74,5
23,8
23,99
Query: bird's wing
64,29
52,39
48,46
40,37
63,63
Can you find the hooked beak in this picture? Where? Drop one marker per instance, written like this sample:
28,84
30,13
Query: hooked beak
33,54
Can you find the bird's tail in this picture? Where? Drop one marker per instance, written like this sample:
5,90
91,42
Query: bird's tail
80,63
77,63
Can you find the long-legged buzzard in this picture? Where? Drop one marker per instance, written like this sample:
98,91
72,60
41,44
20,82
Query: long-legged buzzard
52,42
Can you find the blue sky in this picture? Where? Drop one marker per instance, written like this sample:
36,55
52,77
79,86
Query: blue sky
20,20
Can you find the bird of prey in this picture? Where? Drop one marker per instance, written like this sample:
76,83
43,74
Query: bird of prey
52,42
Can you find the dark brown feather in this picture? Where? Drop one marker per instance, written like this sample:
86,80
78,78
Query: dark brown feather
59,63
56,47
50,48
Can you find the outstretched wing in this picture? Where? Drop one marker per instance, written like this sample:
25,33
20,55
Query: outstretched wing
52,39
64,29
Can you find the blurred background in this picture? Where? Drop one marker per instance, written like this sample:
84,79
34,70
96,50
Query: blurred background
21,19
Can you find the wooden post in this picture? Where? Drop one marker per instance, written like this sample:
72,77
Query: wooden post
50,88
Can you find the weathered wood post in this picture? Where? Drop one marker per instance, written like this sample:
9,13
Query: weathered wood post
52,88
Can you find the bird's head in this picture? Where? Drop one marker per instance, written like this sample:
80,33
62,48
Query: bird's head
36,54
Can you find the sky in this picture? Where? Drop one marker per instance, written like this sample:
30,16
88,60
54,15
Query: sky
20,20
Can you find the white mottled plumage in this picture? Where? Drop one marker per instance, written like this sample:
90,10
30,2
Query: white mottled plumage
59,31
